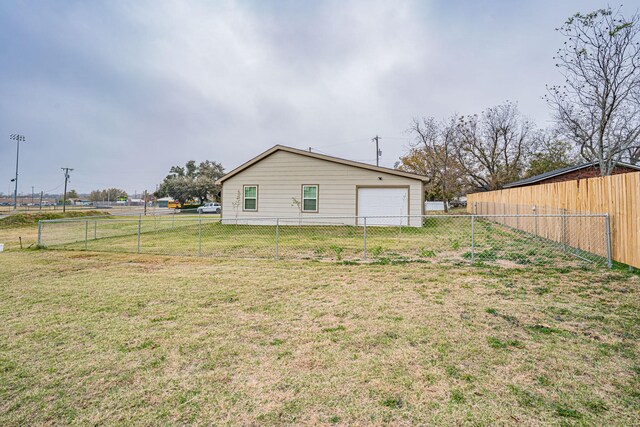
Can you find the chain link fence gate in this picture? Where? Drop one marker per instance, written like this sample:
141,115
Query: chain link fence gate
508,239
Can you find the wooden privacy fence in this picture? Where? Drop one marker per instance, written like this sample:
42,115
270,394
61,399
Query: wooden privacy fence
578,233
617,195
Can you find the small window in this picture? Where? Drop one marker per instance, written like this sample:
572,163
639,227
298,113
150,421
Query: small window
309,198
250,198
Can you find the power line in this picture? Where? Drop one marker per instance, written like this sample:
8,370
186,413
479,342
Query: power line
343,143
397,137
47,191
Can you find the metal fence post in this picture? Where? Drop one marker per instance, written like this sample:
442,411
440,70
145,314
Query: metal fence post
504,213
608,233
95,229
139,227
39,231
473,239
564,229
86,234
277,235
199,235
535,222
365,237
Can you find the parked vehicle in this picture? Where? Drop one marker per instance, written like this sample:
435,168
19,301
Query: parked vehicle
210,208
458,203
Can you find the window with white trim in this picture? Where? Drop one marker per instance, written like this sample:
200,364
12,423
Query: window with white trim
309,198
250,202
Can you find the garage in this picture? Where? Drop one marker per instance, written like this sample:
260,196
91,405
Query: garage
303,186
383,205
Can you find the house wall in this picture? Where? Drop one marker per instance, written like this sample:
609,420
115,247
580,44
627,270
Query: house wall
281,175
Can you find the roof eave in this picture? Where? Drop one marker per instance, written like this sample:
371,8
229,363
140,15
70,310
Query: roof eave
324,157
562,171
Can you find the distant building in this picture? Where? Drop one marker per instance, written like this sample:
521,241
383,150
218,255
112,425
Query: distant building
585,170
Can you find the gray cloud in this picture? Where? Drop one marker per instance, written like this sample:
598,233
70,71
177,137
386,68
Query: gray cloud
121,91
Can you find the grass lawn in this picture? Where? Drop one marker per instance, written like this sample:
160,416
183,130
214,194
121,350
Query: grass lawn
116,338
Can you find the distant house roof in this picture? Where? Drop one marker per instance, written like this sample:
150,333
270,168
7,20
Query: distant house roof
321,157
558,172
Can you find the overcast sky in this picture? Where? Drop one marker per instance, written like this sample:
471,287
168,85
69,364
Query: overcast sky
122,90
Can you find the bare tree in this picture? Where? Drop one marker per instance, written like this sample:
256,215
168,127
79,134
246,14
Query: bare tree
493,148
550,152
634,153
598,107
433,155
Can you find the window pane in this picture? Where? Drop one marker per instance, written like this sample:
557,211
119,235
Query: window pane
250,204
309,205
250,192
310,192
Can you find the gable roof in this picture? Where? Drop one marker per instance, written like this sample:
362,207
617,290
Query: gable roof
276,148
562,171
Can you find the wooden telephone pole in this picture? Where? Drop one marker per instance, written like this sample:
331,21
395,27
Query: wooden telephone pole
378,152
66,179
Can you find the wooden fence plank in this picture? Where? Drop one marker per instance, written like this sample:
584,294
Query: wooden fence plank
617,195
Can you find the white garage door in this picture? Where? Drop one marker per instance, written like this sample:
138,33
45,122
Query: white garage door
378,203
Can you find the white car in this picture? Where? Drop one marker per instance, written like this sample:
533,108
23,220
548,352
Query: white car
210,208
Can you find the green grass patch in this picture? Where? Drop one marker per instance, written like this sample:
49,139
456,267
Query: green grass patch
102,338
23,219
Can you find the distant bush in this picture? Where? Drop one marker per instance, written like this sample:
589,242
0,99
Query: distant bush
22,219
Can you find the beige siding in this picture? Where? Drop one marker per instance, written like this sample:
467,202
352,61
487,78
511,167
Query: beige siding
280,176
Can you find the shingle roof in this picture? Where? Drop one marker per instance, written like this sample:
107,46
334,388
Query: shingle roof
562,171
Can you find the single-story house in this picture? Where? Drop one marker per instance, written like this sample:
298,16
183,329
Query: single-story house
286,182
585,170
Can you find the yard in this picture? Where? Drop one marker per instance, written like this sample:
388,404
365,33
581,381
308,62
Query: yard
116,338
441,238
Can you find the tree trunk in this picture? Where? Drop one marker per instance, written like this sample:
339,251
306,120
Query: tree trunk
444,197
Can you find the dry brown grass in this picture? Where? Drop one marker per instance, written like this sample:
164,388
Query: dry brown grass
11,236
88,338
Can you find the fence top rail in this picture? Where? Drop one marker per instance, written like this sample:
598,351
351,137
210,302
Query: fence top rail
318,218
77,219
525,207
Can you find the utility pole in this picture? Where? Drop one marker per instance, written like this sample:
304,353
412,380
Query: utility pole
145,202
17,138
66,178
378,152
32,195
41,194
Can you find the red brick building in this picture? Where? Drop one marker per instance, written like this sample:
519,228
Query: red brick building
585,170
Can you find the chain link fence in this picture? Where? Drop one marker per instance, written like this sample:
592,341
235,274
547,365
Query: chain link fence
508,239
